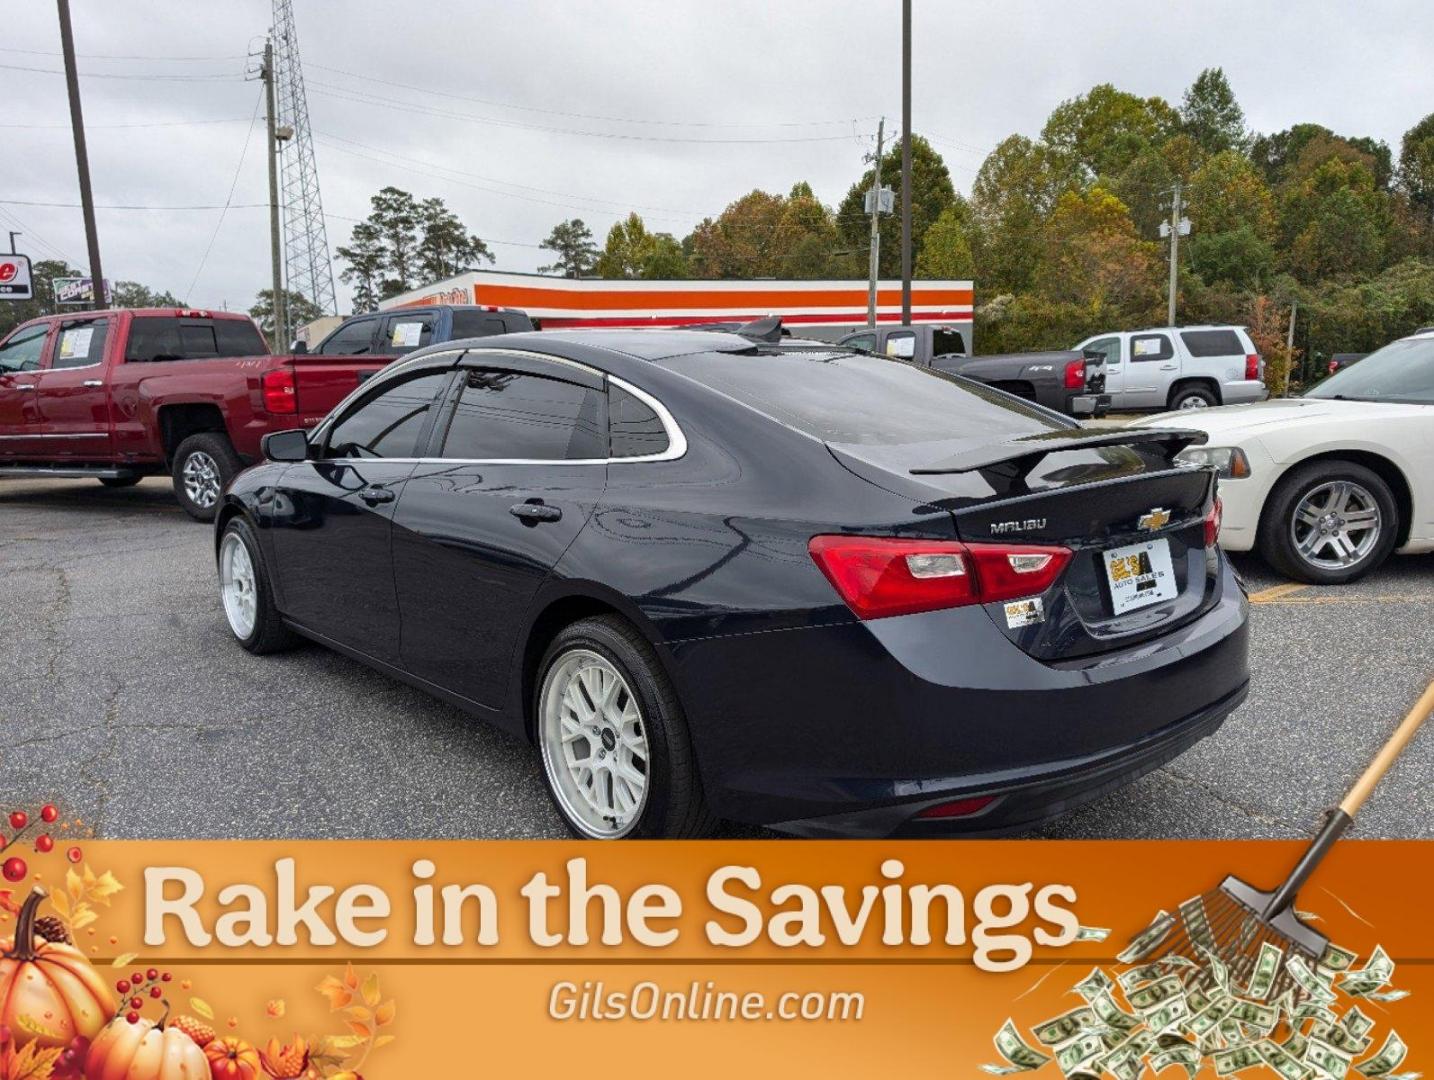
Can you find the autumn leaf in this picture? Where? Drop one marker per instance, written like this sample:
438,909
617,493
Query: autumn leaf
61,903
202,1007
7,902
32,1062
103,888
74,885
335,1043
359,1013
384,1014
337,993
276,1008
383,1040
84,915
363,1031
371,993
351,979
123,960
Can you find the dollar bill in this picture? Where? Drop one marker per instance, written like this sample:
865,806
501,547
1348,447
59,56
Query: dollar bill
1267,966
1308,981
1067,1026
1149,939
1208,1019
1217,969
1329,1060
1236,1059
1257,1015
1144,973
1355,1022
1197,923
1092,933
1313,1010
1094,984
1387,995
1168,1015
1336,959
1184,1055
1296,1044
1282,1061
1079,1052
1112,1015
1391,1055
1153,995
1197,999
1375,974
1020,1056
1340,1038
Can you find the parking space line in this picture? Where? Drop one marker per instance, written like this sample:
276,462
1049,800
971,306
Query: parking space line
1276,592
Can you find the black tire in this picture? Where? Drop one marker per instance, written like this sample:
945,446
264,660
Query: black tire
269,634
1186,397
674,807
208,450
120,481
1276,540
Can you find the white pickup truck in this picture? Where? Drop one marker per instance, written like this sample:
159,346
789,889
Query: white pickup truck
1189,367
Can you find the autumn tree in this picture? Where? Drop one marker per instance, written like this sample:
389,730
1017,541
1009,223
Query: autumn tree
633,252
1416,164
947,253
1014,192
571,243
1101,132
931,193
1093,257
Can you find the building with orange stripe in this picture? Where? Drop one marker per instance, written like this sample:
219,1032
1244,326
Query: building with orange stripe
812,308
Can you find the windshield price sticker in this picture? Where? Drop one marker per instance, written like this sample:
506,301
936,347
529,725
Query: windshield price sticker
406,334
76,342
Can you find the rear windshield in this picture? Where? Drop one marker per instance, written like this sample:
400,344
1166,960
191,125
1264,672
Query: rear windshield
157,338
856,399
1212,342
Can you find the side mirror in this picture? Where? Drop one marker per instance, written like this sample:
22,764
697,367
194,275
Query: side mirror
301,348
292,445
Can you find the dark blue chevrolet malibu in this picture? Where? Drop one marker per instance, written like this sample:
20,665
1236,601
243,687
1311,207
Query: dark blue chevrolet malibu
777,583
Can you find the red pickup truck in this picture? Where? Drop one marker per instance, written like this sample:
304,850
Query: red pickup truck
119,395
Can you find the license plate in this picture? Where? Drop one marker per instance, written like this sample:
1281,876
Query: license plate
1140,575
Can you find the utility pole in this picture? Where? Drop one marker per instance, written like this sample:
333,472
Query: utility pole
905,162
281,322
82,157
1175,209
1290,349
875,227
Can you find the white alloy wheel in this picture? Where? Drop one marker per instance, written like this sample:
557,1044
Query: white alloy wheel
594,744
238,586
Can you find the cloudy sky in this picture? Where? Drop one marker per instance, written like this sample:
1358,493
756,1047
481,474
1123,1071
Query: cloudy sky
521,114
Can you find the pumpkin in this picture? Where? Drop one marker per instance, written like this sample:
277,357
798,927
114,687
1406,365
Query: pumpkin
49,994
144,1050
232,1059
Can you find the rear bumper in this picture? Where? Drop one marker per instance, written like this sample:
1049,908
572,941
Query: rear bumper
1243,392
1090,405
852,729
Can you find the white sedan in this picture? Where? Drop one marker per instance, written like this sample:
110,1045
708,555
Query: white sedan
1326,485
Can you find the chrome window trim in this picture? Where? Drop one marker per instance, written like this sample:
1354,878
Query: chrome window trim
676,438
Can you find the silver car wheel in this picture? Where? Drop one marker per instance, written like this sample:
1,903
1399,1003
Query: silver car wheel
594,744
238,586
201,479
1193,402
1336,525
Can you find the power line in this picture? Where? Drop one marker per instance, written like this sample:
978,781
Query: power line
131,206
121,56
233,186
588,116
120,75
115,127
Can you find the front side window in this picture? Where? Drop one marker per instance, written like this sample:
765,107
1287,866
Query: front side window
1150,347
388,424
22,352
865,342
81,343
634,428
1402,372
1108,348
507,415
350,339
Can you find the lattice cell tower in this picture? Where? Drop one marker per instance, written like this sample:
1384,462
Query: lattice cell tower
307,268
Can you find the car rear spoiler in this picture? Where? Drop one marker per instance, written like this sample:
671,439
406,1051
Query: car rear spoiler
1017,457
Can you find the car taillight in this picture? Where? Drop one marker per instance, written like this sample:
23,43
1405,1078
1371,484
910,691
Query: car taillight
1333,366
279,391
1075,375
881,576
1252,366
956,808
1212,522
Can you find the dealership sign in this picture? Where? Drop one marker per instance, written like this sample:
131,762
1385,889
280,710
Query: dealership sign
15,278
76,290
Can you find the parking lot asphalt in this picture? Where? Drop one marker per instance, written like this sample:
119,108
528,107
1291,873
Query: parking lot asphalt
124,697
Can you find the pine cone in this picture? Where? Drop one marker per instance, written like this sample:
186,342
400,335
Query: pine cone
52,929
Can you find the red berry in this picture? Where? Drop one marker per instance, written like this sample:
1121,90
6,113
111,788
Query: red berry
152,974
44,845
165,977
74,854
19,819
155,991
136,1003
132,1017
14,869
122,986
137,978
49,813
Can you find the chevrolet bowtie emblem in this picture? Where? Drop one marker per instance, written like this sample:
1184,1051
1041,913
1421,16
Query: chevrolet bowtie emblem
1155,520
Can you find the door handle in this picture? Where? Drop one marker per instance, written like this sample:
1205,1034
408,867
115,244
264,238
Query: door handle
93,382
25,386
534,511
377,493
1167,367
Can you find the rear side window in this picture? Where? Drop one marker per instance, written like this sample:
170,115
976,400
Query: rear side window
477,324
81,343
1212,342
854,399
1150,347
155,338
901,345
506,416
634,429
388,425
350,339
408,332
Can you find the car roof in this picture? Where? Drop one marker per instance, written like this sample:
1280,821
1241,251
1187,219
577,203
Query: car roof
655,344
